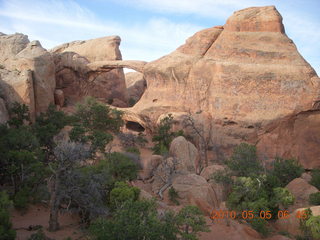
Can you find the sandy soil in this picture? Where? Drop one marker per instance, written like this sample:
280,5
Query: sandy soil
39,215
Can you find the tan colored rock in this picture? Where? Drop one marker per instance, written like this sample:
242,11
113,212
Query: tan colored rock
17,86
40,62
136,85
78,80
11,45
301,190
4,116
292,224
185,154
27,74
245,20
194,189
99,49
59,97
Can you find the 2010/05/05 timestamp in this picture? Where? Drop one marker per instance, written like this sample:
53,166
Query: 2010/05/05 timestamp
223,214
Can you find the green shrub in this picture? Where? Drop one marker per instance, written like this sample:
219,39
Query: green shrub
164,136
173,196
140,220
313,223
121,167
122,192
282,197
21,199
314,198
6,231
286,170
260,225
315,181
244,162
39,235
133,150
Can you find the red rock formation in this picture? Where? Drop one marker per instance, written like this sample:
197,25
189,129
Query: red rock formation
245,75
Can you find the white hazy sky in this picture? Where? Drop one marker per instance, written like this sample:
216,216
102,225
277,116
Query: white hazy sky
149,29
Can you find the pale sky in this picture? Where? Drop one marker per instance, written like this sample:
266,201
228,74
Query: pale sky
150,29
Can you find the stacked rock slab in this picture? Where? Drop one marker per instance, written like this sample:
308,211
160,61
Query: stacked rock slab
27,73
77,80
245,74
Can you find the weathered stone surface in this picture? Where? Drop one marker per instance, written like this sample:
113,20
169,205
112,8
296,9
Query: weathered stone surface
98,49
185,154
301,190
77,78
136,85
27,73
35,58
4,116
262,19
293,137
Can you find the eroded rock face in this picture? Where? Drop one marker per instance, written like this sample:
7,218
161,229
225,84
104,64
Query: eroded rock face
293,137
77,79
27,73
246,75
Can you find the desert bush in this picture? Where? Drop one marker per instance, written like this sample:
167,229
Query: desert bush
286,170
6,231
314,198
315,180
133,150
121,193
173,196
260,225
121,167
140,220
244,162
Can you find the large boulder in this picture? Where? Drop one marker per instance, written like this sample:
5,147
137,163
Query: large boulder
27,73
77,80
194,189
301,191
185,153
